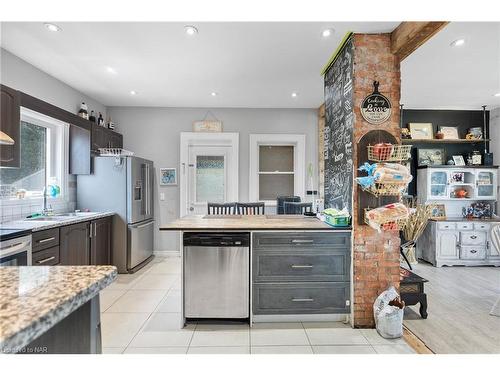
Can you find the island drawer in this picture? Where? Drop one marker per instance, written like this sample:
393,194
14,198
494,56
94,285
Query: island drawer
300,265
481,226
47,257
472,252
296,298
45,239
301,240
472,238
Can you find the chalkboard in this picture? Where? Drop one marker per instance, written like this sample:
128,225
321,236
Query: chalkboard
339,124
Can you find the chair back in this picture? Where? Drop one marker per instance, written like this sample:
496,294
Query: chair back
297,208
221,208
280,208
254,208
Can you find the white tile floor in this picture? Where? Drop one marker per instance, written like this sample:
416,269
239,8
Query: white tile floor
140,314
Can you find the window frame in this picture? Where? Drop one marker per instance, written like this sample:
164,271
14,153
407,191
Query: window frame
298,142
36,118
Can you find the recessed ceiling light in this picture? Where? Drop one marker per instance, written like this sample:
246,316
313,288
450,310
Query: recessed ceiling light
327,32
457,43
52,27
497,95
294,94
111,70
133,92
214,93
190,30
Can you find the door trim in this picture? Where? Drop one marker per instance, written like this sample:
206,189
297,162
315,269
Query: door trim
205,139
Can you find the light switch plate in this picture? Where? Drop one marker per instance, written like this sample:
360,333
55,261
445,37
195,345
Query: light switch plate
162,196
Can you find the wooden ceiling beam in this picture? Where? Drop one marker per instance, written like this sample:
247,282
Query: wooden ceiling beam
408,36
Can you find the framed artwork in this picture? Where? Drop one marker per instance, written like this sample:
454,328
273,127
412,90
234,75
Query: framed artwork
449,132
168,176
458,177
421,130
459,160
438,212
430,156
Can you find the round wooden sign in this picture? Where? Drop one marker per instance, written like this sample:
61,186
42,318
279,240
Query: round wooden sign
376,108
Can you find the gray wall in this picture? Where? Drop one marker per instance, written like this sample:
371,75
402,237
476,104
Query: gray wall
154,133
21,75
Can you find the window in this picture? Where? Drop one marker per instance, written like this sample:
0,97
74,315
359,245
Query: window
277,163
43,161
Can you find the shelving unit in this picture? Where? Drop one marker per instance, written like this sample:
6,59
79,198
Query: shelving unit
444,141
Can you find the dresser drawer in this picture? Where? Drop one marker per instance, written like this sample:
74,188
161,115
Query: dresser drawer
295,298
472,252
465,226
47,257
301,265
446,226
301,240
482,226
472,238
45,239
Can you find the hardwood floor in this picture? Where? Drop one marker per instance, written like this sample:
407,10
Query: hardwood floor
459,303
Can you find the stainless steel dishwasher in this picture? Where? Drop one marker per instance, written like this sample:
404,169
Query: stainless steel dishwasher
216,275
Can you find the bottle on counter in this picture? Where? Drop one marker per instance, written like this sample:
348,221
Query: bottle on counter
100,120
92,117
111,124
83,112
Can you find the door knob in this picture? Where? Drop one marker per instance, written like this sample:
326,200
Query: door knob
191,208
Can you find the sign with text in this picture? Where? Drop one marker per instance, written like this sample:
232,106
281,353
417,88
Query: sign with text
376,108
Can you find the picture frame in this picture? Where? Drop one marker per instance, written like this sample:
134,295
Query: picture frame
421,130
459,160
438,212
168,176
430,156
458,177
449,132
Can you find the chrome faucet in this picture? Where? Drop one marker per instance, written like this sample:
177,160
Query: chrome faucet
46,211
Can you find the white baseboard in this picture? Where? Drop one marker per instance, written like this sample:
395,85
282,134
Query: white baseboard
167,253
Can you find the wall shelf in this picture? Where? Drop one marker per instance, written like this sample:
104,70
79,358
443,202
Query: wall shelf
444,141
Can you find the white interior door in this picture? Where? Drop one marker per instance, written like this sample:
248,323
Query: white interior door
209,171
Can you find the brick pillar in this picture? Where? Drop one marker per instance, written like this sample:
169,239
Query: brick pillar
375,256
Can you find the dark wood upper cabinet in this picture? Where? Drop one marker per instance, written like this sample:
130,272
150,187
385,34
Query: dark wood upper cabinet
10,125
105,138
74,245
100,243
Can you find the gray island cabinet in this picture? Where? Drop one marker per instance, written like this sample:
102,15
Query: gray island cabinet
300,267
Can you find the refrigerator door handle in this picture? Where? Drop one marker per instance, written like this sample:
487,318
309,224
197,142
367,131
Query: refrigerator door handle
142,225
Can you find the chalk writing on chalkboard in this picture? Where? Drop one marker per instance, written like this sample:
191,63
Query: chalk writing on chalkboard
339,123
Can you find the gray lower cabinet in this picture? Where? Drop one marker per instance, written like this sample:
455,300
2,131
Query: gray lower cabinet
464,243
300,273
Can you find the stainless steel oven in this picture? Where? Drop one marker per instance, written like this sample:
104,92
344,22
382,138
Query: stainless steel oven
16,251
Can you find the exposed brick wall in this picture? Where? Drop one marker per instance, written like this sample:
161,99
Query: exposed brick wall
376,256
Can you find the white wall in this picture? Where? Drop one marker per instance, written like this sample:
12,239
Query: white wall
154,133
23,76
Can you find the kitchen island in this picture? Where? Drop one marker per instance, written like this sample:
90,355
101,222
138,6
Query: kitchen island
289,268
52,309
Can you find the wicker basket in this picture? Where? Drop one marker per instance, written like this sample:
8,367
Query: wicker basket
387,190
392,153
394,225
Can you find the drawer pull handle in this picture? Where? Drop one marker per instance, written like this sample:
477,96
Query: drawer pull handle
302,299
45,260
302,241
473,237
301,266
473,251
46,240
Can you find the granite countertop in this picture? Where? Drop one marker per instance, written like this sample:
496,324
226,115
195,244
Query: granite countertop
248,222
37,225
34,299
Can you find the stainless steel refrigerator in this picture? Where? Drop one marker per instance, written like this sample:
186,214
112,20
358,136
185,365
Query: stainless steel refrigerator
123,185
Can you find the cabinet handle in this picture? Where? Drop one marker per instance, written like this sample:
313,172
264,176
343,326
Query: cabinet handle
46,240
473,237
473,251
302,299
95,229
301,266
302,241
45,260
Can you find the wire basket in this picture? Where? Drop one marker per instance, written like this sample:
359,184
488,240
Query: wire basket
387,189
115,152
390,225
389,152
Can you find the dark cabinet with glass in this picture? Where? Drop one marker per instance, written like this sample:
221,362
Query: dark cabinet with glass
10,127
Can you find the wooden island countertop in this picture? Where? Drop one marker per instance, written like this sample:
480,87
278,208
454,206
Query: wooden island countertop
248,223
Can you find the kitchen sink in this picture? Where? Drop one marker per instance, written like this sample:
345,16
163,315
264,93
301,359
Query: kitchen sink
48,218
73,214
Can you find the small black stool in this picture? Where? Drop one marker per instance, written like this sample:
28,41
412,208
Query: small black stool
411,289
